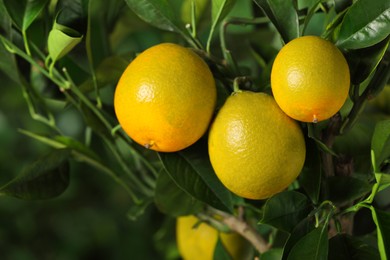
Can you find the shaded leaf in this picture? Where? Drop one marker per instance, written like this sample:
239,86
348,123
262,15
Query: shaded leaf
382,222
158,13
310,177
138,210
220,252
380,142
46,178
8,62
314,245
346,188
272,254
366,23
343,246
33,9
285,210
191,170
16,9
283,15
363,62
304,227
172,200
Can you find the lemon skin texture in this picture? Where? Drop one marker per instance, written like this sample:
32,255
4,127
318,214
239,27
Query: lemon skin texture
165,98
255,149
197,242
310,79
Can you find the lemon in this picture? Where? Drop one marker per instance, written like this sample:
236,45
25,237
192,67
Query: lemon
310,79
256,150
165,98
197,242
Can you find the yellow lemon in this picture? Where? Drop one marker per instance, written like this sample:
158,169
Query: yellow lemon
165,98
256,150
310,79
197,242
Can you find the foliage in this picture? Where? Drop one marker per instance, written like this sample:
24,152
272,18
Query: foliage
65,56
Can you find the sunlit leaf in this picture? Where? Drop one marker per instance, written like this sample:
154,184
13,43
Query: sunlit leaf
382,222
380,143
366,23
61,41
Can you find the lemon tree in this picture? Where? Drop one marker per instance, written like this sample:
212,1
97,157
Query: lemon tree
261,125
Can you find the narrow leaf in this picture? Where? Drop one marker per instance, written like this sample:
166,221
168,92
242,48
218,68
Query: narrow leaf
283,16
46,178
380,142
219,10
191,170
285,210
314,245
366,23
382,222
172,200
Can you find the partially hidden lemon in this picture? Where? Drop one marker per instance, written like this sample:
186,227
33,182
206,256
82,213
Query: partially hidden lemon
256,150
197,242
165,98
310,79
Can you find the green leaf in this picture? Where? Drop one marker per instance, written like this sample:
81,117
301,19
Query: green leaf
24,12
158,13
138,210
191,170
363,62
314,245
172,200
97,35
310,177
16,11
46,178
382,222
33,9
61,41
304,227
380,142
366,23
343,246
285,210
346,188
272,254
8,62
219,10
107,73
220,252
283,15
383,180
44,139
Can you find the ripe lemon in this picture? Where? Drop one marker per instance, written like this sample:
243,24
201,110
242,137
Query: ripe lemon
310,79
165,98
256,150
198,242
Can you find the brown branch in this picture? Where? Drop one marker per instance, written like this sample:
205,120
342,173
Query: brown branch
243,228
